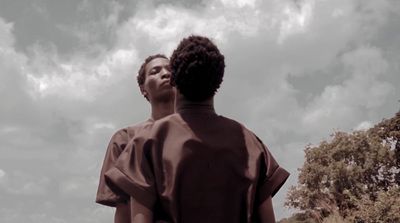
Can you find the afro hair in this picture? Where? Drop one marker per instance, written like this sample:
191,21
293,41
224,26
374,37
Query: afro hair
197,68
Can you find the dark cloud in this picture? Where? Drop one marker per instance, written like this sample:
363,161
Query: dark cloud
86,55
68,25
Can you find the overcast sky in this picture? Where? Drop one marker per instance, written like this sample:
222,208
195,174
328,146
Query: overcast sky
296,71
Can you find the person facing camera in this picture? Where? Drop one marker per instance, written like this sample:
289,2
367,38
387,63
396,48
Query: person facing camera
153,80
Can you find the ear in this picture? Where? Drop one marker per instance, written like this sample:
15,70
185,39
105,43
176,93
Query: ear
144,93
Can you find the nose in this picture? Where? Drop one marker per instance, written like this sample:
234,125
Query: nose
165,74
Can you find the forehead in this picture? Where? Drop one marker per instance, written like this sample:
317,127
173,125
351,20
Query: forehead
157,62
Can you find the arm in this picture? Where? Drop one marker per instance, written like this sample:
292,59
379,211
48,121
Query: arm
266,211
122,212
106,195
132,174
272,177
140,213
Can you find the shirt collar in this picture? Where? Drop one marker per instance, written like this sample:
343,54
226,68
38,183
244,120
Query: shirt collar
196,108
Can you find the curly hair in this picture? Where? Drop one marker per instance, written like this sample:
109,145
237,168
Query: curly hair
197,68
141,78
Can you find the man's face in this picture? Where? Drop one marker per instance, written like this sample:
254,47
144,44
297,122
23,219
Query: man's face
156,86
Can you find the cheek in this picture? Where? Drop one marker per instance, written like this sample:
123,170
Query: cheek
150,83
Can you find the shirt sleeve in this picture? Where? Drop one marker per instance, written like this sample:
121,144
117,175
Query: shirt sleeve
105,195
272,176
133,173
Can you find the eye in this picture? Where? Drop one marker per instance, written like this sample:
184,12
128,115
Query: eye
155,70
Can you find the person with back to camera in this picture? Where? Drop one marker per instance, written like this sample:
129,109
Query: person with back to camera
196,166
153,80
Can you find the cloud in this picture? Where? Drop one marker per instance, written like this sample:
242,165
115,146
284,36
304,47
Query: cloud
239,3
20,183
163,27
297,15
78,187
43,218
95,22
2,174
296,70
13,86
7,39
350,99
365,125
77,78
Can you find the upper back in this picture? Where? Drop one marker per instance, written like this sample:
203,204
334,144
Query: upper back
206,167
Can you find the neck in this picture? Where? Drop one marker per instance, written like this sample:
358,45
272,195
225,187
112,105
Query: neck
161,109
181,101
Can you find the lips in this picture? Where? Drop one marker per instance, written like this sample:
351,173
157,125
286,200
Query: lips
166,81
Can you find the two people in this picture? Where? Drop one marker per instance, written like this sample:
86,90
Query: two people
195,165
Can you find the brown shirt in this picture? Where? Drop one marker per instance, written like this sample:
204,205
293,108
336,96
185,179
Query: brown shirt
107,195
197,166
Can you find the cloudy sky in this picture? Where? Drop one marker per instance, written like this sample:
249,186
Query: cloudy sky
297,70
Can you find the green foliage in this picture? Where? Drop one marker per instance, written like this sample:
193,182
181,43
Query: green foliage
385,208
334,218
301,218
297,218
355,176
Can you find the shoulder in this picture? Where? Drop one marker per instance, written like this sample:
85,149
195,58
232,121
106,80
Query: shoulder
167,126
121,133
230,121
170,119
134,129
249,135
130,131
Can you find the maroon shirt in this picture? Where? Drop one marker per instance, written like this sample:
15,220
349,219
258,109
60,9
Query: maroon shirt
111,196
197,166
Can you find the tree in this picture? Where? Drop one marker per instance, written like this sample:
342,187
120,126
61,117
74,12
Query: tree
350,174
